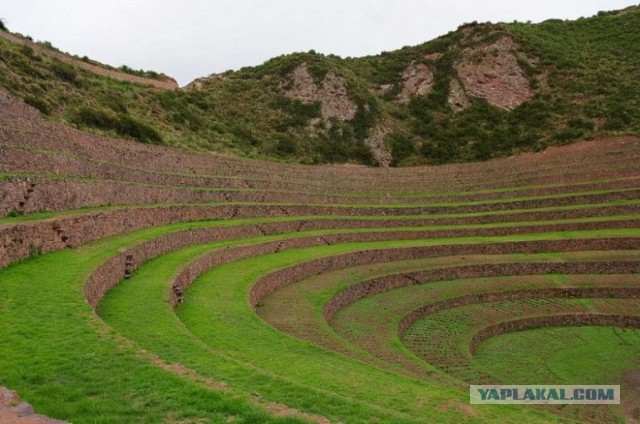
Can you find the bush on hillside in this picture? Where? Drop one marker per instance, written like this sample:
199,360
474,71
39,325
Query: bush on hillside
39,104
122,124
64,71
402,148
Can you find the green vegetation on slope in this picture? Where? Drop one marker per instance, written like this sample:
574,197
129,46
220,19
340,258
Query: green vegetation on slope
82,371
581,79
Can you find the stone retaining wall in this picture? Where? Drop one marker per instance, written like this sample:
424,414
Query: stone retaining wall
13,410
602,320
113,271
275,280
123,264
14,159
18,241
599,268
29,195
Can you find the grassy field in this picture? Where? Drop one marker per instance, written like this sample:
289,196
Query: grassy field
80,369
214,358
217,314
568,355
89,355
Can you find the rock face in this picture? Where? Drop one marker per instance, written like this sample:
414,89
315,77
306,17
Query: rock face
458,100
491,71
379,149
332,94
417,81
198,83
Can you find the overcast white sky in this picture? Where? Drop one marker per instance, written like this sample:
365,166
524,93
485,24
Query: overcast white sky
188,39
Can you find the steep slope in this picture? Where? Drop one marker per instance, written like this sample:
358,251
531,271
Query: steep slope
485,90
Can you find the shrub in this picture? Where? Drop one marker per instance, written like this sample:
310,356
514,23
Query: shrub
34,251
285,146
440,152
402,148
297,114
29,52
48,45
39,104
127,126
3,25
93,118
64,71
579,123
122,124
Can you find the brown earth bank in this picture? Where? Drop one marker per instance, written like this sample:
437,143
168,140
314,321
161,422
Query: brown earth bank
27,195
31,195
18,157
375,286
15,411
534,269
272,281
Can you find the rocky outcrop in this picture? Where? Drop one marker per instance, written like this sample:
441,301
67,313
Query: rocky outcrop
491,71
379,149
457,100
417,81
200,83
332,94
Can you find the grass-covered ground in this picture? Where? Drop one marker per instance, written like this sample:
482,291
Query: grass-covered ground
81,369
568,355
57,354
214,358
217,314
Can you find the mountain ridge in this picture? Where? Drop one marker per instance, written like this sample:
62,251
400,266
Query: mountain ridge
482,91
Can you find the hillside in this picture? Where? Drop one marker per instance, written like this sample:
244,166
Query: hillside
144,283
482,91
